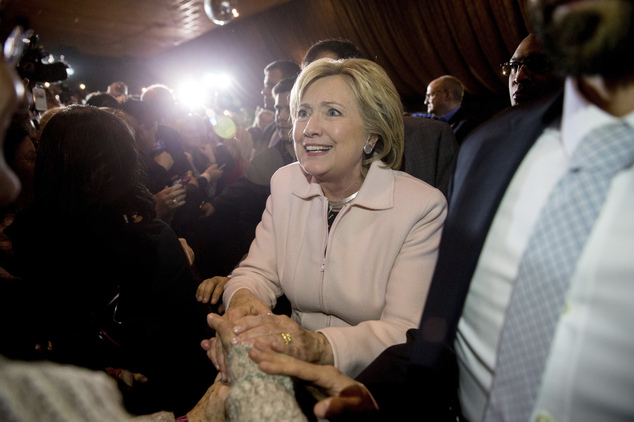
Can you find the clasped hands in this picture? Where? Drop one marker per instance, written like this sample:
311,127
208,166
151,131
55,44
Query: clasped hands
308,355
249,320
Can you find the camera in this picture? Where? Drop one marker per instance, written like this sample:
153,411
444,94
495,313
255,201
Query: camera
36,64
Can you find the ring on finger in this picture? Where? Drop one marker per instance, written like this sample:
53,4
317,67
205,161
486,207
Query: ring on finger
174,201
286,337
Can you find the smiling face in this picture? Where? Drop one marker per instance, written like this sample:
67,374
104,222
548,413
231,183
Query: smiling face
329,135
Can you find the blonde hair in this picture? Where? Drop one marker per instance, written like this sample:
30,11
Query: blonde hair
378,102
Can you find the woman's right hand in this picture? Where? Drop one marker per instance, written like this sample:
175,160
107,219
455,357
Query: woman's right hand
243,303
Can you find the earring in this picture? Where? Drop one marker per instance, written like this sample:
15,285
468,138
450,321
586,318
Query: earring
367,148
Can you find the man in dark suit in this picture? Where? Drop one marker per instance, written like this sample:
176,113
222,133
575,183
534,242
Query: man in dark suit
508,176
530,72
430,151
444,102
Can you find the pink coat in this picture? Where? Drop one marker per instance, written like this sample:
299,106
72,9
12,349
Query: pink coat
364,284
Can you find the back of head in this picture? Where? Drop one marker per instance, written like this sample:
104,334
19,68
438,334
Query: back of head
454,86
333,48
100,99
287,68
88,164
160,97
285,85
143,112
377,99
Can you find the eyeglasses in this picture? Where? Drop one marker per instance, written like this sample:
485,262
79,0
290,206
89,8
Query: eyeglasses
431,94
535,64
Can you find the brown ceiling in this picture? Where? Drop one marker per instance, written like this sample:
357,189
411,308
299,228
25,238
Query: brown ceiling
117,28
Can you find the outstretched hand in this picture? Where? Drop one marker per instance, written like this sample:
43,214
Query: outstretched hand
347,396
211,289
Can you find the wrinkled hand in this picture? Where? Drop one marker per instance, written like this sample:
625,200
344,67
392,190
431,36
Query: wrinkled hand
168,201
303,344
347,396
216,347
211,407
165,160
243,303
211,289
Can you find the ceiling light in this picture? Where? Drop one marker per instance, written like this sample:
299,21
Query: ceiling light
221,11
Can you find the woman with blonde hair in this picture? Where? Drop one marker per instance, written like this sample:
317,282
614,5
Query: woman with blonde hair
350,240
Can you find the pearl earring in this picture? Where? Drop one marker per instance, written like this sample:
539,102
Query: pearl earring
367,148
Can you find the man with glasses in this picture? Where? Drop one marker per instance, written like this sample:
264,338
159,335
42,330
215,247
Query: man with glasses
530,72
444,103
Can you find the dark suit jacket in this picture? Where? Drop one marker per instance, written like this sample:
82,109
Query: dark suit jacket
422,373
463,123
430,151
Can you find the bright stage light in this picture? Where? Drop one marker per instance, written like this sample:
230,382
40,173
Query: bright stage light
217,81
191,94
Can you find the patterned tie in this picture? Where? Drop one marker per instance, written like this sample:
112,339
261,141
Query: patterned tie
547,266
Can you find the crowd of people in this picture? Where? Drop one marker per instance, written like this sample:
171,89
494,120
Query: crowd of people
451,267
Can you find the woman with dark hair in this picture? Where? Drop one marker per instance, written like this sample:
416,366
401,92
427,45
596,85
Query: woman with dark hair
123,294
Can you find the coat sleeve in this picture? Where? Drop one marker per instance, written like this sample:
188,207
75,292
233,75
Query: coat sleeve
406,291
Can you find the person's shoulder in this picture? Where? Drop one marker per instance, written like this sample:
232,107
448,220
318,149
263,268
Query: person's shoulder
289,173
407,185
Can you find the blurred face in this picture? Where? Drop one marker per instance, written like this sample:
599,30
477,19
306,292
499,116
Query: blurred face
283,116
590,37
146,137
329,134
191,135
271,78
527,79
437,99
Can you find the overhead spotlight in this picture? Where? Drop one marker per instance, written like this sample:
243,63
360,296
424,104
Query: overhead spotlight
221,11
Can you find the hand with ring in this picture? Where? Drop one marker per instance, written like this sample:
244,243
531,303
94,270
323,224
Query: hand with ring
169,200
284,335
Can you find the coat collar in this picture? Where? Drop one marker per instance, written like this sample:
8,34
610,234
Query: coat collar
377,190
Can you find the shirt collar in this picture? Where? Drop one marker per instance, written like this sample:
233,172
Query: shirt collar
449,115
580,116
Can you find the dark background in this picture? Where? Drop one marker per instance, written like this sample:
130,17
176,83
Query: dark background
414,40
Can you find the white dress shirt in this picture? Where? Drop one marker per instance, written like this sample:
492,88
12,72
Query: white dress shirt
589,375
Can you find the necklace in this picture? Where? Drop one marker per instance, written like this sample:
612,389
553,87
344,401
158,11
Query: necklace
335,206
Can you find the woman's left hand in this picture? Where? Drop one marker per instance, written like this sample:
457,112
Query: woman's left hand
285,336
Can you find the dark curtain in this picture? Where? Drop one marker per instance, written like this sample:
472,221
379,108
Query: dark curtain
414,40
